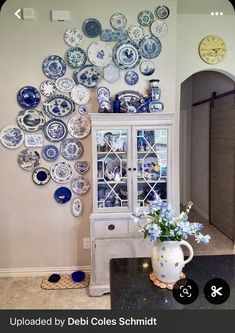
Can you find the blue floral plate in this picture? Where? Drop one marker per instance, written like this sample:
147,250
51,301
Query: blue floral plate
126,54
50,153
89,76
28,97
131,77
76,57
55,130
150,47
58,106
62,195
53,67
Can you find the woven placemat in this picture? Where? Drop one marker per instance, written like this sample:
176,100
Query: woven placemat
65,282
163,285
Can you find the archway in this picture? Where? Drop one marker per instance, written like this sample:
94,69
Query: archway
196,147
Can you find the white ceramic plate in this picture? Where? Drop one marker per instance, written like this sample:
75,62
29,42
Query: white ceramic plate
73,37
136,32
118,21
47,88
76,207
159,29
80,185
99,53
64,84
61,172
80,94
79,126
31,120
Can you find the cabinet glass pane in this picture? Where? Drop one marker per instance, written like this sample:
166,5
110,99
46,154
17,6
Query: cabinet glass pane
151,165
112,168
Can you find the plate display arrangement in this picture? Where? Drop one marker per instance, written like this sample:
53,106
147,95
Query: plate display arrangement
89,76
28,159
55,130
126,54
111,73
31,120
147,67
80,185
136,33
81,166
73,37
80,94
131,77
162,12
76,207
113,35
33,140
150,47
118,21
50,153
79,126
64,84
91,28
47,88
12,136
99,53
145,18
71,149
159,28
28,97
75,57
58,106
62,195
53,67
41,176
61,172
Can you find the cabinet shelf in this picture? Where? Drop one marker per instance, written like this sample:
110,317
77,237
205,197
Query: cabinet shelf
111,152
151,181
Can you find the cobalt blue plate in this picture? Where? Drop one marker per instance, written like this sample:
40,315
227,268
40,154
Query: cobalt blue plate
62,195
41,176
28,97
54,67
91,28
50,153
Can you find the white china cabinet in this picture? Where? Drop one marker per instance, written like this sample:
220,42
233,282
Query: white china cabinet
131,162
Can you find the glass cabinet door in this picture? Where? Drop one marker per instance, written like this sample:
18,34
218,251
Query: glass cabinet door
151,158
112,183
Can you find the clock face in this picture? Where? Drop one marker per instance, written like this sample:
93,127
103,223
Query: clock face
212,49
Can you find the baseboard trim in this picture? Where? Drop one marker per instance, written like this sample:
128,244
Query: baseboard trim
201,212
40,271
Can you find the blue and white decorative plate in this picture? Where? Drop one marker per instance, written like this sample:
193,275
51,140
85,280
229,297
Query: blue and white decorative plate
80,185
111,73
71,149
118,21
64,84
79,126
159,28
62,195
50,153
33,140
105,107
103,94
112,35
81,166
61,172
73,37
126,55
12,136
55,130
91,28
53,67
89,76
131,77
80,94
31,120
75,57
83,109
28,97
150,47
130,101
147,67
47,88
58,106
41,176
145,18
136,33
76,207
162,12
28,159
99,53
156,106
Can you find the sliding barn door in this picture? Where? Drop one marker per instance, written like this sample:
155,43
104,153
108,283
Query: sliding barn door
222,166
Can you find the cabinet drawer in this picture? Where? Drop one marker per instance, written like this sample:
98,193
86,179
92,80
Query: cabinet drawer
110,227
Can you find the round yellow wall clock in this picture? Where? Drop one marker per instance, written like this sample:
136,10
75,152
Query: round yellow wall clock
212,49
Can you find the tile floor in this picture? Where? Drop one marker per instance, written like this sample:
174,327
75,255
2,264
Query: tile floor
26,293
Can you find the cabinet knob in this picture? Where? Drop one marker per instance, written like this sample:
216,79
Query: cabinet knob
129,169
111,227
134,169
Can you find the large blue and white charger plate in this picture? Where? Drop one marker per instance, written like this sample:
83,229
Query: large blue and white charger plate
12,136
76,57
55,130
50,153
126,54
89,76
53,67
58,106
150,47
91,28
28,97
31,120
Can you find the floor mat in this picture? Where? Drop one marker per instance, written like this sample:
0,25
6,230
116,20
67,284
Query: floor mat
65,282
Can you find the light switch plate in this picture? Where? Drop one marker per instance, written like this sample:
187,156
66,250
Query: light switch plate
28,14
60,15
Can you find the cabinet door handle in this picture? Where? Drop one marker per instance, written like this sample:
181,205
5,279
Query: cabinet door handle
129,169
134,169
111,227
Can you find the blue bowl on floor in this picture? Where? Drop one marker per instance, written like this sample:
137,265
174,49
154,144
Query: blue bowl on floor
54,278
78,276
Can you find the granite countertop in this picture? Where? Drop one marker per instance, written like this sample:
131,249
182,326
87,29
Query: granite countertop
132,289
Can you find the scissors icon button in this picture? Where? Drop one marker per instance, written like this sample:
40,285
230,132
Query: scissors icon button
216,291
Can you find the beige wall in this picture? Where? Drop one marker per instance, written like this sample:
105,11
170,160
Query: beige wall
35,231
